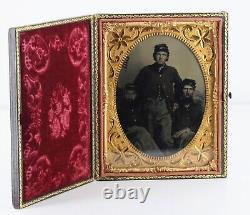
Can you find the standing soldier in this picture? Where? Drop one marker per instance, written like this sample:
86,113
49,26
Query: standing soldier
159,87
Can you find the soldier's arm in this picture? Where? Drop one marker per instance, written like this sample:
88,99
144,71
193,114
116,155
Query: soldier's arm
198,113
177,86
140,82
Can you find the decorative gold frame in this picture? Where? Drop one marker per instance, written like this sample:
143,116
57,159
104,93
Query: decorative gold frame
18,30
206,36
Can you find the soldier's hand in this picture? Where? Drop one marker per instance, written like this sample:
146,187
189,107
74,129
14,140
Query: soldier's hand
176,106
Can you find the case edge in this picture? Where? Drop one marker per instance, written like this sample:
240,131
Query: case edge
13,119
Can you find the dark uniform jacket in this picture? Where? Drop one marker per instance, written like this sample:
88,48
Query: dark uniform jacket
187,117
130,113
152,81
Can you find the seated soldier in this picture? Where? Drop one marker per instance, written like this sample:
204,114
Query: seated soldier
130,115
188,116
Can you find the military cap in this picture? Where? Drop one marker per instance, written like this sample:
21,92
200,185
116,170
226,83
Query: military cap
189,82
161,48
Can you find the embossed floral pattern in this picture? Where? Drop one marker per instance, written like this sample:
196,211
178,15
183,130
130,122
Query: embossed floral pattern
201,37
119,39
59,112
55,95
32,137
56,43
77,46
78,162
83,110
36,54
202,152
38,175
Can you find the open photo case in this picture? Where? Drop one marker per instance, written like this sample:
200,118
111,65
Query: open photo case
115,97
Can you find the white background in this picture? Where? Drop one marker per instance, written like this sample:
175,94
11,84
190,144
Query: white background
217,196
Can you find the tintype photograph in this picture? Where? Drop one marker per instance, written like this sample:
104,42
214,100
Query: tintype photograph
160,96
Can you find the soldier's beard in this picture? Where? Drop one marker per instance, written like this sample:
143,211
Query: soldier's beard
187,100
130,100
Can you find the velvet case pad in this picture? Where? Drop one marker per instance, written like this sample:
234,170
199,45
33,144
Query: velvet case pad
50,76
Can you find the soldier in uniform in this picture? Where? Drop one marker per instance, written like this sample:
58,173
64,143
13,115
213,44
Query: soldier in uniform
188,116
130,115
159,87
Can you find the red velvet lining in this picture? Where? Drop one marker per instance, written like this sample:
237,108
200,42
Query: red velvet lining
55,103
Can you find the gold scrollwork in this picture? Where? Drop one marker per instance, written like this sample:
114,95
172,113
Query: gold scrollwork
121,38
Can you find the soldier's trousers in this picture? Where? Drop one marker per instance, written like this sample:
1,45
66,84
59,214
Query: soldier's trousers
159,123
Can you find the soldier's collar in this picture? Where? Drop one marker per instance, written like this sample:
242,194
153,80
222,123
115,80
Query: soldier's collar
159,65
